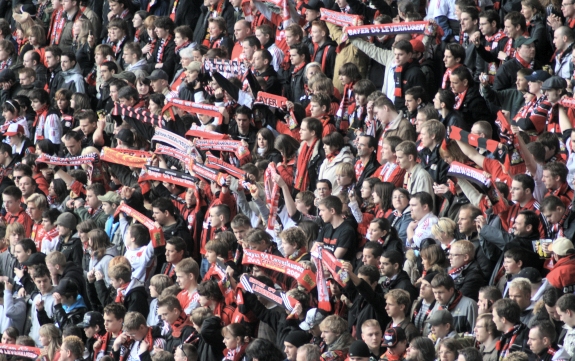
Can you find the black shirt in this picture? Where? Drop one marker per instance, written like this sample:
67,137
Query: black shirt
343,236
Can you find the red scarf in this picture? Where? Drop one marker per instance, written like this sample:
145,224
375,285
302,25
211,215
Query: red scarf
120,294
170,271
392,357
174,8
21,43
178,48
494,38
459,98
236,354
297,68
452,305
117,46
331,156
445,82
162,48
137,36
57,26
152,43
523,62
298,254
176,83
178,326
39,121
302,178
347,99
503,345
454,272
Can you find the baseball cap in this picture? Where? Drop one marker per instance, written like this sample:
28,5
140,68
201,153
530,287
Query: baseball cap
126,136
523,41
66,285
393,335
561,246
313,317
440,317
126,75
554,82
157,75
538,75
417,45
91,319
110,197
298,338
194,66
14,129
359,349
531,274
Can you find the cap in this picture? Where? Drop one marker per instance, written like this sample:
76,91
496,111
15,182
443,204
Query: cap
34,259
440,317
314,5
538,75
91,319
66,285
14,129
67,220
561,246
126,75
393,335
417,45
313,318
126,136
555,82
194,66
429,276
359,349
157,75
298,338
74,195
531,274
110,197
523,41
7,75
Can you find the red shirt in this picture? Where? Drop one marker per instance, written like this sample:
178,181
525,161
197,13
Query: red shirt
21,217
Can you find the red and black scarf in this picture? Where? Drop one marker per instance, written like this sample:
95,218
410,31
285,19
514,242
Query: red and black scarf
178,326
503,345
180,47
446,80
302,178
454,303
459,98
523,62
347,99
120,293
162,48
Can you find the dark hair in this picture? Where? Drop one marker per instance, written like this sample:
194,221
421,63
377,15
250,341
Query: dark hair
13,191
326,181
263,349
447,97
314,125
335,140
185,31
546,329
116,309
508,309
364,87
463,74
531,219
164,204
491,16
332,202
268,135
457,51
370,271
51,214
351,71
566,302
27,245
128,93
517,18
284,143
140,234
376,248
39,94
302,49
424,198
210,290
164,22
526,181
550,297
471,354
443,280
557,169
394,257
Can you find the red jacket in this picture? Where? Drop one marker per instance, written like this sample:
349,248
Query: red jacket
563,273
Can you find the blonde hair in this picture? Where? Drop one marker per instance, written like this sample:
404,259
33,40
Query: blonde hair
85,29
334,324
53,333
56,258
15,227
370,323
38,200
444,225
522,284
465,247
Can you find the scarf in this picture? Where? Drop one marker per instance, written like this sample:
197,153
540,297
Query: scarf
21,43
5,64
459,98
178,326
427,313
494,38
39,122
152,44
137,36
454,303
446,81
523,62
41,10
347,99
297,68
330,157
117,46
57,27
557,229
162,48
302,178
298,254
120,293
503,345
455,272
235,354
173,12
180,47
392,357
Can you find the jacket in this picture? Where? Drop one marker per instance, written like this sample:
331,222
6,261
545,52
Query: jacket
537,29
314,164
66,39
202,24
434,164
400,223
210,345
55,81
470,281
421,181
187,13
102,264
72,250
74,80
168,60
273,84
411,75
368,304
7,264
464,313
510,99
41,76
563,273
293,84
327,168
67,315
84,57
348,53
74,272
475,109
402,282
506,75
327,61
368,171
139,69
383,56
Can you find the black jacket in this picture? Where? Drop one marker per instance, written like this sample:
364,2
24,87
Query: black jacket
313,166
202,24
327,62
411,76
273,83
187,13
506,75
211,342
538,30
55,81
293,84
75,272
470,281
368,171
474,108
168,59
484,56
41,76
84,57
434,164
454,118
368,304
73,249
402,282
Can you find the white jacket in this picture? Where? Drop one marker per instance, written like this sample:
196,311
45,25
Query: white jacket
327,168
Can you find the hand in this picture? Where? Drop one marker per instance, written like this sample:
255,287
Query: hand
9,286
440,189
475,38
21,293
97,345
484,80
99,276
502,55
289,105
127,192
159,66
515,129
91,276
110,15
219,93
40,305
121,339
298,309
347,267
143,346
70,204
482,307
18,272
279,181
57,298
230,271
146,49
480,222
102,123
78,203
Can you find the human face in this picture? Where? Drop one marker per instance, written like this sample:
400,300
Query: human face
534,87
427,140
457,86
553,95
34,212
412,353
8,115
519,227
392,308
113,324
518,194
248,50
137,21
386,152
425,290
243,122
527,52
172,255
374,232
401,57
116,7
290,351
329,337
325,214
486,27
466,223
295,58
317,34
368,258
448,59
536,342
7,339
372,337
440,331
240,233
417,210
567,8
159,85
521,83
25,80
48,226
317,110
11,204
142,88
446,354
92,199
215,30
86,127
305,133
105,73
44,284
211,256
522,299
90,332
288,248
68,5
510,30
169,316
386,268
511,267
241,31
262,142
552,311
456,257
28,63
363,148
215,220
162,33
108,208
343,179
442,294
568,317
51,60
159,216
411,103
553,216
399,200
21,255
468,25
184,280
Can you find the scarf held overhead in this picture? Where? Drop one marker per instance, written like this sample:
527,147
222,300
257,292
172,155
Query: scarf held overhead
140,114
256,287
118,156
412,27
272,190
460,170
322,290
22,351
150,173
304,277
156,234
228,68
195,108
339,19
278,102
236,147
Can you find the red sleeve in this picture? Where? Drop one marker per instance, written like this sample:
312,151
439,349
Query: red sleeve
25,220
230,201
42,183
328,130
286,172
495,168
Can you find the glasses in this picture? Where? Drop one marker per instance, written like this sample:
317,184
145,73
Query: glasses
452,255
18,177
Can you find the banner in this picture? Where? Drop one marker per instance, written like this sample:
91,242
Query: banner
174,140
140,114
228,68
278,102
216,163
460,170
456,133
335,267
339,19
412,27
156,234
88,160
205,134
21,351
256,287
272,190
233,146
304,277
112,155
208,173
322,290
195,108
150,173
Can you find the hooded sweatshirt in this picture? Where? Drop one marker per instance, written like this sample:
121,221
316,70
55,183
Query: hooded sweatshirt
73,79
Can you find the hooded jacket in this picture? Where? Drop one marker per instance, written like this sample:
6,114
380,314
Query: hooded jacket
68,315
75,272
327,168
74,80
210,344
368,304
470,281
72,250
139,69
402,282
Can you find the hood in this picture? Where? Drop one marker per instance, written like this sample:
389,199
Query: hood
75,70
78,304
342,343
140,65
